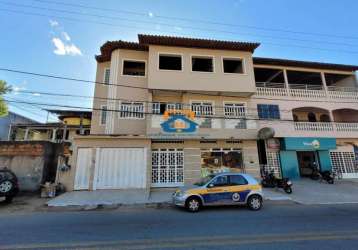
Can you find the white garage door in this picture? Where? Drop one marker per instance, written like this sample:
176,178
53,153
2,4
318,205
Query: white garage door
120,168
83,165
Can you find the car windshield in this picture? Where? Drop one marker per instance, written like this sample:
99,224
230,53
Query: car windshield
204,180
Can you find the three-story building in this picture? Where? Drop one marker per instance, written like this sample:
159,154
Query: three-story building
169,110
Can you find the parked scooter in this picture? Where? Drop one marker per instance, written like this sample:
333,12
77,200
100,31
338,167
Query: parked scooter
270,180
315,175
327,176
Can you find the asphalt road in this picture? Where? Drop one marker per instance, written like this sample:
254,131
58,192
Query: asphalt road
277,226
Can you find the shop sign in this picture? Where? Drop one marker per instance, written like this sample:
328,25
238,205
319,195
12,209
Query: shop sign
273,144
179,121
306,143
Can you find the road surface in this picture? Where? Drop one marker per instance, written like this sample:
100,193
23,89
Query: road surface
277,226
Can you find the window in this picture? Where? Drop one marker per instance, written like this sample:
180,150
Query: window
220,181
234,110
133,68
233,65
160,108
268,111
103,115
170,62
202,108
202,64
107,73
133,110
237,180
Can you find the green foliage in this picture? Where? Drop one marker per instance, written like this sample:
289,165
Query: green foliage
4,89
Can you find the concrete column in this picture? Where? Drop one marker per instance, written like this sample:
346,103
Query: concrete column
286,81
26,134
323,78
53,134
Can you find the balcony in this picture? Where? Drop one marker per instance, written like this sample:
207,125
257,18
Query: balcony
305,85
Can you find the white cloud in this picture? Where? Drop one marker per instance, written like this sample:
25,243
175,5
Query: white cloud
66,36
65,49
53,23
18,88
36,94
150,14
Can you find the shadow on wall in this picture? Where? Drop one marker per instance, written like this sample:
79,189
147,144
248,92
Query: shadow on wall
33,162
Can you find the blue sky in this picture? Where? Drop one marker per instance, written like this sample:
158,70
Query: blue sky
49,38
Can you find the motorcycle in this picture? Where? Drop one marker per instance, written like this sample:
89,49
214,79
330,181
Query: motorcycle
327,176
270,180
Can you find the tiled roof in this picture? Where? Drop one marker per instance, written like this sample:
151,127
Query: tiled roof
109,46
196,43
303,64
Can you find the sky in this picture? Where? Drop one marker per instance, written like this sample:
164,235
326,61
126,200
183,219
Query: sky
61,37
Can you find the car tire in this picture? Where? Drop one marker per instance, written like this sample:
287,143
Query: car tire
6,186
254,202
193,204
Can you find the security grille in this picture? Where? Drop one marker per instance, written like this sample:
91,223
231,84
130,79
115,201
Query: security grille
273,163
133,110
344,164
234,110
202,108
167,167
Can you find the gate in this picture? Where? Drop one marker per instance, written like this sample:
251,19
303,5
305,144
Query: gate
167,167
344,164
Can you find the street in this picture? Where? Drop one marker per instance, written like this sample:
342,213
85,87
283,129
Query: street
276,226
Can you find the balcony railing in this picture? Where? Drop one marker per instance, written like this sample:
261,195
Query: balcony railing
326,126
305,91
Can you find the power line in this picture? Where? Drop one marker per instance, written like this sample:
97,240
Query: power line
196,20
174,32
172,25
142,113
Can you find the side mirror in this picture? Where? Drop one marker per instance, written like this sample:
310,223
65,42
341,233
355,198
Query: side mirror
211,185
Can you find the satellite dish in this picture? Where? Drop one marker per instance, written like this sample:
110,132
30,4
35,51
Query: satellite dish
266,133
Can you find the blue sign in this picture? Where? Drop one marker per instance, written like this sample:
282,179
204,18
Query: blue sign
308,143
179,123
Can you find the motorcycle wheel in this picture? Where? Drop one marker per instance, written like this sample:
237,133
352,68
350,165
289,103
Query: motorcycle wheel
288,190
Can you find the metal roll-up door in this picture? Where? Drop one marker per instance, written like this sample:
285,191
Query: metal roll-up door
120,168
83,166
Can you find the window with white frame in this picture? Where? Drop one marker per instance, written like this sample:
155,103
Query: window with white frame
131,110
160,107
103,114
234,110
107,73
202,108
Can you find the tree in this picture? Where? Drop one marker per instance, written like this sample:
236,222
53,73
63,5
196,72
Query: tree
4,89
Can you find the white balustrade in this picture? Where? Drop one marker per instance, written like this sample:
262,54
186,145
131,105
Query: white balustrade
343,95
346,127
307,93
263,91
313,126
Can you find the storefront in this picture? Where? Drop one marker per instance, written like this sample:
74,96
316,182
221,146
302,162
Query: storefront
298,155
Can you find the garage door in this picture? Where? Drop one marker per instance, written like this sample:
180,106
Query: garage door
120,168
83,165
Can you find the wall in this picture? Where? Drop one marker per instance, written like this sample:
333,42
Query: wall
9,119
33,162
188,80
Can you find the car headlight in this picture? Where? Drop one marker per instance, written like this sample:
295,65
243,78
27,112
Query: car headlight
179,193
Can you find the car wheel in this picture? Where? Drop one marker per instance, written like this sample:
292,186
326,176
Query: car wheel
193,204
288,190
5,186
254,202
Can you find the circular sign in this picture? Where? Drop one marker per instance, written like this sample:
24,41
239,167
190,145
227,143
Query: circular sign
235,197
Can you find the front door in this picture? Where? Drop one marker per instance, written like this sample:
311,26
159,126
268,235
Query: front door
307,160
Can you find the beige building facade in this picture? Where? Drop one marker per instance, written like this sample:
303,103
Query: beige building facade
169,111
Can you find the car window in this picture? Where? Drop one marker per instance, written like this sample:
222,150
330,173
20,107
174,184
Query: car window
220,181
237,180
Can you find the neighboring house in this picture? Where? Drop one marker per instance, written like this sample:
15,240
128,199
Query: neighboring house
12,118
72,122
195,107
